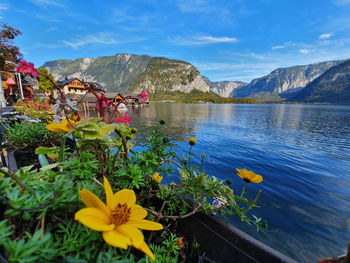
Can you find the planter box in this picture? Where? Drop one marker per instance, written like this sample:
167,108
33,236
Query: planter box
225,243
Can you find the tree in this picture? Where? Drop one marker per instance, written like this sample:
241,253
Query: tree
8,51
44,84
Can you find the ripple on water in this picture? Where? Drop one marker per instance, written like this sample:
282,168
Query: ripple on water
302,151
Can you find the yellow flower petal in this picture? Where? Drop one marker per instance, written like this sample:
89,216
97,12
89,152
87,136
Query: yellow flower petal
126,196
94,218
132,232
116,239
137,212
145,224
91,200
110,200
257,179
249,176
57,127
145,249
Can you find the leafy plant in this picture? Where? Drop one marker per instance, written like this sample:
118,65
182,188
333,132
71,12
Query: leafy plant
44,202
22,135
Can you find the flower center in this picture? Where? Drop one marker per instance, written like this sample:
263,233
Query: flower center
120,215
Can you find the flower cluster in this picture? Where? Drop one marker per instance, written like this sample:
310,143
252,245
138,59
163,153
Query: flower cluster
34,108
125,119
27,68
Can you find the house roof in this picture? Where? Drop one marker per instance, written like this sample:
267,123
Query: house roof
66,81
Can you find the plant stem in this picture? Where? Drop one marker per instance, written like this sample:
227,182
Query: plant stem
195,210
125,146
202,162
243,190
18,181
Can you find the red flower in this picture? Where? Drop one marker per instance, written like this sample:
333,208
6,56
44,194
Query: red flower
144,95
27,68
126,119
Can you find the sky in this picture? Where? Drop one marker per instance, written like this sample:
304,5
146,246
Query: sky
236,40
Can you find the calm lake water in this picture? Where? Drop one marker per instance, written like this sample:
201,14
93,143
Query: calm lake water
302,151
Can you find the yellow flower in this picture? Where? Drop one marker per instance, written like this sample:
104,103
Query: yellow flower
119,219
157,178
192,141
63,126
249,176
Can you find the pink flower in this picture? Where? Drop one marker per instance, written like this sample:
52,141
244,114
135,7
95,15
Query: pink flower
144,95
104,105
27,68
126,119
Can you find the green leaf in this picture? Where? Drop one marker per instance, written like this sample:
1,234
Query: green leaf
49,167
45,150
43,160
63,144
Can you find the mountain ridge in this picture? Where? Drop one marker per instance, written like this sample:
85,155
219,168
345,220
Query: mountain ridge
333,87
133,73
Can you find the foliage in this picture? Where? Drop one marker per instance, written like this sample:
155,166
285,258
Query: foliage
37,108
30,135
8,51
195,96
40,204
44,84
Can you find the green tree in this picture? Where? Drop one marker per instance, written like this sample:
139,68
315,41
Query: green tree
8,51
44,84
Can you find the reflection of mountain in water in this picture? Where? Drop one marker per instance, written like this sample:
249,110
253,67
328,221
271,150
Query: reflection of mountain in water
180,119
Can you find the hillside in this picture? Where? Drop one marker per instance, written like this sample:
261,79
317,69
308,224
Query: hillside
333,86
164,74
224,88
114,73
283,82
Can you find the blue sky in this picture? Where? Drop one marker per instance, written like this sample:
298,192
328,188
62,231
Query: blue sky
225,39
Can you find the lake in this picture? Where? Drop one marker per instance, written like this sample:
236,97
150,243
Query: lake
302,152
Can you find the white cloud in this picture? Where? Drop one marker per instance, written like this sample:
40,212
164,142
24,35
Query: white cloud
48,18
47,3
51,29
325,36
278,47
97,39
305,51
203,40
3,6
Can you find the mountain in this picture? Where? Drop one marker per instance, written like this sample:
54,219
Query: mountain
333,86
224,88
164,74
133,72
114,73
283,82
